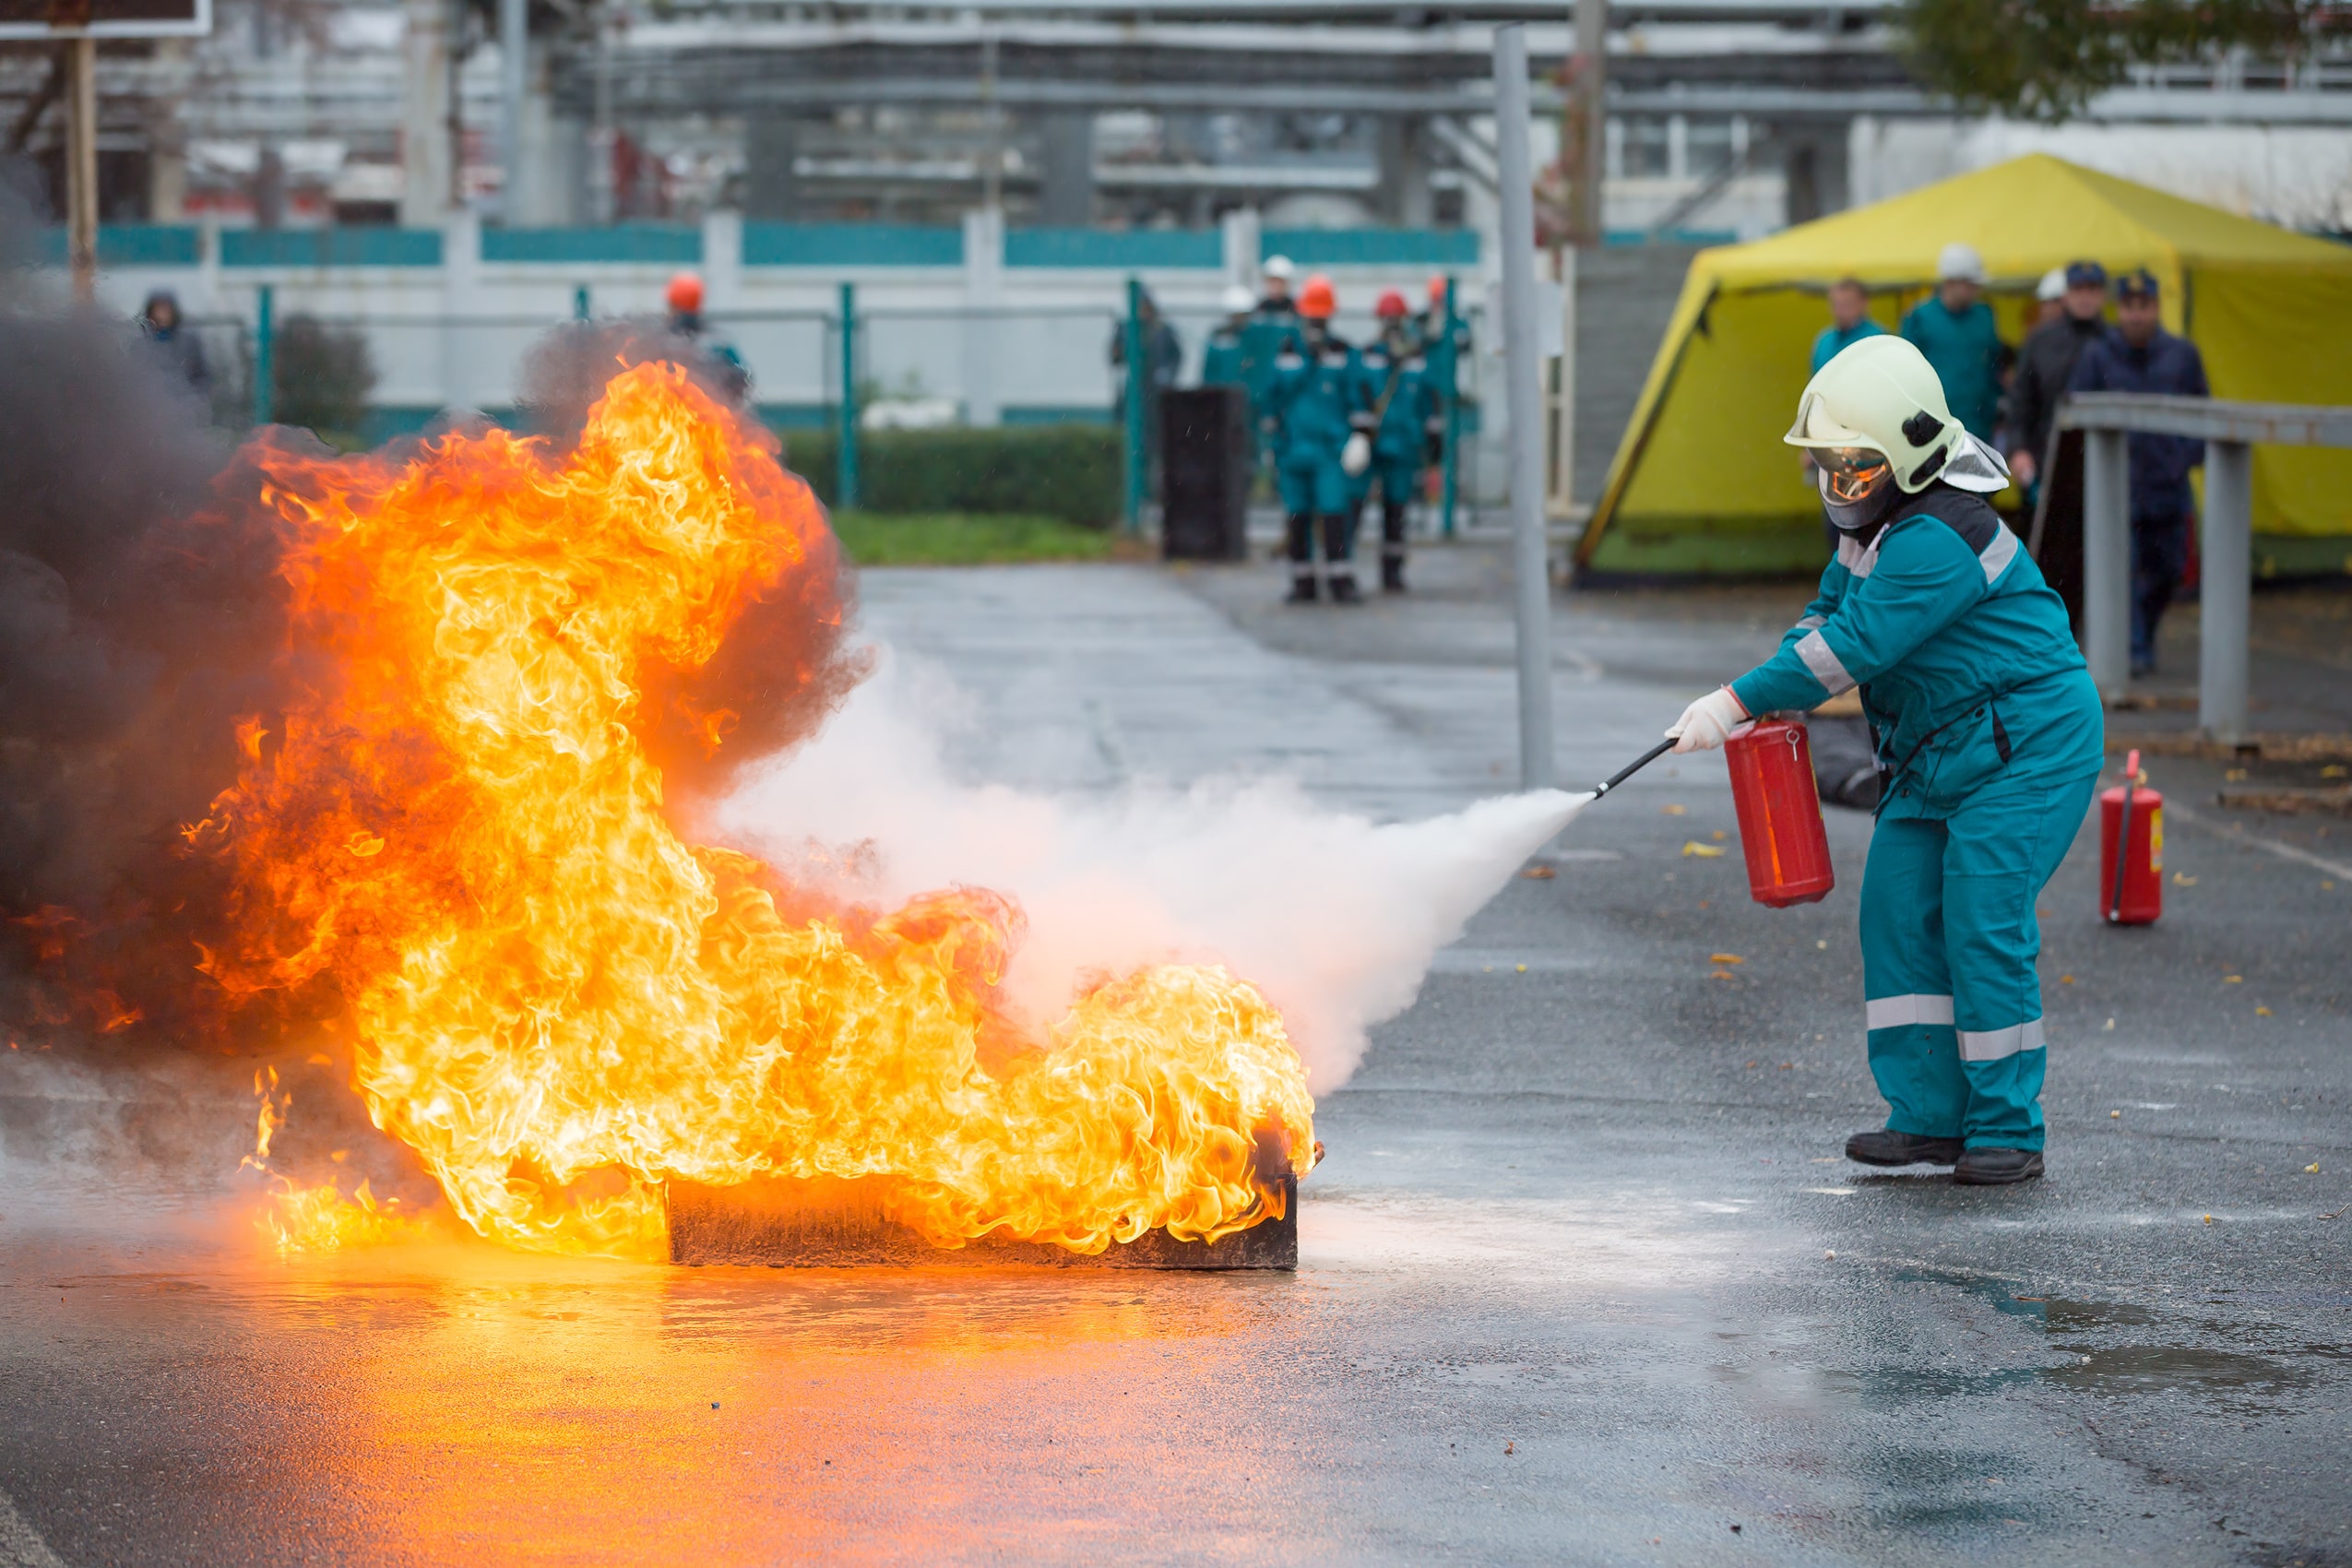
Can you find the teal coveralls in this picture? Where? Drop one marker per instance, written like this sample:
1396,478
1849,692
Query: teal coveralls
1221,358
1991,736
1397,445
1318,389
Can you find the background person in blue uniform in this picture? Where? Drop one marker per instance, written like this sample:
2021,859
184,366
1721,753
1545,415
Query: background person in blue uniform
1404,408
1318,400
1849,321
1223,358
1990,736
1954,329
2140,356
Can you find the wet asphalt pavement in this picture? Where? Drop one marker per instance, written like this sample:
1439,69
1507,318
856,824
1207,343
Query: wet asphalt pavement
1582,1278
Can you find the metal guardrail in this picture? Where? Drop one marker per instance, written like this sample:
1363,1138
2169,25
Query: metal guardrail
2226,537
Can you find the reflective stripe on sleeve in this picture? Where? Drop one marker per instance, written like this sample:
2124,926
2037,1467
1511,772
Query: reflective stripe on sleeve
1809,623
1894,1012
1998,554
1818,659
1992,1045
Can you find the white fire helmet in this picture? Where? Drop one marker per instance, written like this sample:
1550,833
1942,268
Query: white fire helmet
1958,263
1238,300
2053,286
1280,266
1881,395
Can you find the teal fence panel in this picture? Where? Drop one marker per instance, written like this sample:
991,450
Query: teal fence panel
851,244
1125,250
133,244
1373,247
330,247
659,245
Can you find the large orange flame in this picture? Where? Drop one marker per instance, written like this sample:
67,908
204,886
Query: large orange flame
559,1002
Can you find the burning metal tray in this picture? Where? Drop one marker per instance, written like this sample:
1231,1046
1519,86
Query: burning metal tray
840,1224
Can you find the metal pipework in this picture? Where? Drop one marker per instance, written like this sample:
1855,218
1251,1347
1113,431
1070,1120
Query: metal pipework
2107,561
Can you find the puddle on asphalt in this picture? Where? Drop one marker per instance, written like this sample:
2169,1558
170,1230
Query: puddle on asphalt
2106,1370
2158,1369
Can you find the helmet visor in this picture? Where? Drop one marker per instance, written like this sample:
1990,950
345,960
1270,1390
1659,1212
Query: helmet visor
1852,473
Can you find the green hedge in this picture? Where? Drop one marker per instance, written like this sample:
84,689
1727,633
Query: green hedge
1071,472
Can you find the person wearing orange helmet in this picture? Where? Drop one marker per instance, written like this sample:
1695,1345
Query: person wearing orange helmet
1405,411
722,366
1318,399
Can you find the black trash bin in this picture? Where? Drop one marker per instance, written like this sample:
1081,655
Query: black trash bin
1205,473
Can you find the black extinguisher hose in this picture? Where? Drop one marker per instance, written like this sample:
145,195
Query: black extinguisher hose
1634,767
2124,838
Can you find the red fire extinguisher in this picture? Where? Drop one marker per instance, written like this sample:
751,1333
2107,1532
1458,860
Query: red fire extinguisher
2131,820
1779,807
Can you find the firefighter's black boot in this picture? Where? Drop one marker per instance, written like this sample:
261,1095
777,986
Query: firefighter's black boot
1392,546
1886,1147
1338,555
1300,545
1997,1167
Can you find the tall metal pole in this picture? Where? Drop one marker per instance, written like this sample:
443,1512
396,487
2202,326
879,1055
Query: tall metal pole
844,487
513,48
81,166
1590,104
1523,385
2226,594
1138,385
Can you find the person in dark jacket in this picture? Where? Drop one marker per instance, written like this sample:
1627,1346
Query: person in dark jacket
182,352
2140,356
2046,359
2050,469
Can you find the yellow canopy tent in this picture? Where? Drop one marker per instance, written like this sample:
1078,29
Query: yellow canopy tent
1702,482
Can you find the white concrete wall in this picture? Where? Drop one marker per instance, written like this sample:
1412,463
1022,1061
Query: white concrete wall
989,337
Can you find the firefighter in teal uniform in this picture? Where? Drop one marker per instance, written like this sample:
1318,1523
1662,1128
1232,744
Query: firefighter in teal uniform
1318,400
1405,409
1989,736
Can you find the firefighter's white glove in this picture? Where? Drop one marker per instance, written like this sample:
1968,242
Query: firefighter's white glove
1356,456
1709,722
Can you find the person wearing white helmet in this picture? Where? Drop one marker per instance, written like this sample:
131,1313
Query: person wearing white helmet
1277,273
1989,735
2049,298
1954,329
1222,357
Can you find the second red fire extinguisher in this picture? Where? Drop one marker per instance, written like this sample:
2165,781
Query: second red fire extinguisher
2131,850
1779,809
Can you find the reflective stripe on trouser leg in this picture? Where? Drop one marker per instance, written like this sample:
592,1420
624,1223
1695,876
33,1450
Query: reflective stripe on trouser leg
1913,1056
2005,842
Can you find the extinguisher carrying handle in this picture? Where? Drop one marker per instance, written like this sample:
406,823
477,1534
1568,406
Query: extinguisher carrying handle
1634,767
2123,839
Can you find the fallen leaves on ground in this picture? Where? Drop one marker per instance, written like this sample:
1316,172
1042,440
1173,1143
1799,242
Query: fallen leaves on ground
1725,958
1539,874
1691,846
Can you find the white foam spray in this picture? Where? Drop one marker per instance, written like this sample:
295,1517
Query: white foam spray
1334,918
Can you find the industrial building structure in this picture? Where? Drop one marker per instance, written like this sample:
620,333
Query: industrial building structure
1725,117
